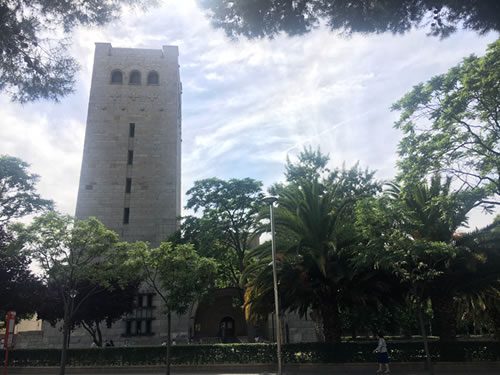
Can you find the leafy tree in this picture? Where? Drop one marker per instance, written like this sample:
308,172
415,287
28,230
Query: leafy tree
268,18
20,289
80,257
412,231
18,196
451,124
224,230
105,306
310,166
176,273
420,223
480,299
33,63
316,240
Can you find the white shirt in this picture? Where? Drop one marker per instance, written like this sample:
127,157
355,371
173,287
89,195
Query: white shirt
382,346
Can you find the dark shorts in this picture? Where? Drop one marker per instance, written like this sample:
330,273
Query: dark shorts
382,358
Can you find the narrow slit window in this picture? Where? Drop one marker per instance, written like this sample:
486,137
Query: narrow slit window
128,185
148,327
130,157
131,130
126,215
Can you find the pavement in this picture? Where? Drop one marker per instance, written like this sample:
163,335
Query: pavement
485,368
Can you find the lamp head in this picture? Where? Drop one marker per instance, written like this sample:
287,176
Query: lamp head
270,200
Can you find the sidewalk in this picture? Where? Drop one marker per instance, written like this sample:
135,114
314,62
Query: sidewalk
488,368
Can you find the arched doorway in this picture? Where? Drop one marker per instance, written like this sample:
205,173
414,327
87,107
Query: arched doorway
218,313
226,329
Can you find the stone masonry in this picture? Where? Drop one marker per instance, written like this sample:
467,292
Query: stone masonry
131,169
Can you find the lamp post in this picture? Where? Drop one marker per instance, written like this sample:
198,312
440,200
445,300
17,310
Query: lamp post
72,295
270,201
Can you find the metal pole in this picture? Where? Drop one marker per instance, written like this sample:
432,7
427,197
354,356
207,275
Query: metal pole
275,283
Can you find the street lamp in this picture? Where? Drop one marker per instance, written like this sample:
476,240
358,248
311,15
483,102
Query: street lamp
72,295
270,201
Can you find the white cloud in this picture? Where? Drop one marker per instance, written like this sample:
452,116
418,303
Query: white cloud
246,104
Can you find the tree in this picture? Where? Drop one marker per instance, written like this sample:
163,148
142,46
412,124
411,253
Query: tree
18,196
412,230
177,274
226,225
21,290
34,64
451,124
80,257
481,299
268,18
316,241
105,306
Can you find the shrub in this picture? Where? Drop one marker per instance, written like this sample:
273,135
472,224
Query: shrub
257,353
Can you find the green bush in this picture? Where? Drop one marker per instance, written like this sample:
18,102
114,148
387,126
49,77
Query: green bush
257,353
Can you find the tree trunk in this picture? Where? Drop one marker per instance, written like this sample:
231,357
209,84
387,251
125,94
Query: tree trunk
428,360
494,314
169,340
332,328
64,351
445,315
99,334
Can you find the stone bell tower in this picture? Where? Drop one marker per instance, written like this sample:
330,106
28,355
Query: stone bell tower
131,168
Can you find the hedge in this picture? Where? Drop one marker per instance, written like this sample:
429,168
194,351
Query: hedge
256,353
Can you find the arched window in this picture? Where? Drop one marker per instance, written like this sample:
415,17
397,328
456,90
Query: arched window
153,78
135,78
116,77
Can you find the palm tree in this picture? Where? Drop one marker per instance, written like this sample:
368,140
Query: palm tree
315,242
431,213
481,292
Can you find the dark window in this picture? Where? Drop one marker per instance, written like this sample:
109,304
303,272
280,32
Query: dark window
128,327
131,130
153,78
116,77
128,185
126,215
138,327
148,327
130,157
139,300
150,300
135,78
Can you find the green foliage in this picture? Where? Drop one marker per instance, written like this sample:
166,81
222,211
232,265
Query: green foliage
450,124
310,166
70,250
265,18
34,63
226,223
106,306
18,196
316,241
20,290
79,257
176,273
412,234
257,354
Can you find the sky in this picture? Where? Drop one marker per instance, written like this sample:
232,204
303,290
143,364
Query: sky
247,104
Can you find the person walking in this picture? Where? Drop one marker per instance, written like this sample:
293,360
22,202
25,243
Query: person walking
382,355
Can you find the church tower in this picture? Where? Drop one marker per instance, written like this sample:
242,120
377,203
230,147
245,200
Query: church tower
131,168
